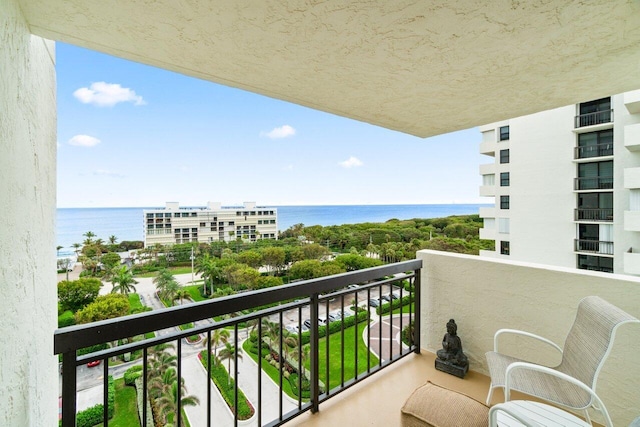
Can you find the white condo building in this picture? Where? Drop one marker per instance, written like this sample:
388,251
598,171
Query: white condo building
174,224
566,184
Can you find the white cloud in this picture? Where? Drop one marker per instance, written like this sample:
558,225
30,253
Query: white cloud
351,162
281,132
84,141
112,174
104,94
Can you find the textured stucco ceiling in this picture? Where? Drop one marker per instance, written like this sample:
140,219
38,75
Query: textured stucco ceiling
421,67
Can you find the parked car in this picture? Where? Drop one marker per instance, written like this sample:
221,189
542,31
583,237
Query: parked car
394,295
374,302
307,323
335,317
94,363
353,287
292,328
386,297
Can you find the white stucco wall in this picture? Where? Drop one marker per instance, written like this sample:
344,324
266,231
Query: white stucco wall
28,369
484,295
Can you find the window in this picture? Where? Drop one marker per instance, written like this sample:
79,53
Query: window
504,202
504,248
504,133
489,179
504,156
595,263
595,144
594,176
504,179
202,224
232,223
503,225
594,112
194,230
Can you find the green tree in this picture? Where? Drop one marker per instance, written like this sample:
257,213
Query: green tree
218,336
209,270
273,258
227,353
89,237
240,274
76,248
252,258
110,260
314,251
73,295
166,284
104,307
112,239
122,280
58,250
181,294
168,401
305,269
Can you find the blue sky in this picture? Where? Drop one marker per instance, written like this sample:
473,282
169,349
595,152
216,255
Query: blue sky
135,135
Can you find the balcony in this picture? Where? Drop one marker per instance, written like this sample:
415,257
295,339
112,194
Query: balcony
591,151
593,183
594,119
268,310
632,220
595,215
593,246
498,294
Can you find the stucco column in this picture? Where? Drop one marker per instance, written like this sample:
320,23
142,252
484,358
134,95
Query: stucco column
28,368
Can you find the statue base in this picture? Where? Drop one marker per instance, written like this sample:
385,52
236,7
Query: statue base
450,368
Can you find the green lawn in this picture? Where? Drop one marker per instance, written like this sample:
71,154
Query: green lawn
335,359
194,292
134,302
126,412
174,270
405,309
269,369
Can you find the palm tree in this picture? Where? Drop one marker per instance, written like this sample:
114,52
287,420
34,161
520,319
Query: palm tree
168,401
112,239
166,284
218,336
89,235
208,268
122,280
58,250
181,293
227,353
76,248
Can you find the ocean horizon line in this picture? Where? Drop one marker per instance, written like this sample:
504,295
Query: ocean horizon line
286,205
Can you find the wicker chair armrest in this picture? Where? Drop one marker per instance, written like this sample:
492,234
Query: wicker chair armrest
525,334
560,375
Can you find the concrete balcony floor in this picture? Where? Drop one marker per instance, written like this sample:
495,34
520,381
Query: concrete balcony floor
377,401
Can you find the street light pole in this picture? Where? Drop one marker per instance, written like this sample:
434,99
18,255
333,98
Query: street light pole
192,265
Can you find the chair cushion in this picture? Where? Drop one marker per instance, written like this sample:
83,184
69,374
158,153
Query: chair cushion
433,406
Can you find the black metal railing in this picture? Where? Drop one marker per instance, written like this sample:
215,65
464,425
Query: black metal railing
594,183
594,214
594,246
595,118
597,150
270,323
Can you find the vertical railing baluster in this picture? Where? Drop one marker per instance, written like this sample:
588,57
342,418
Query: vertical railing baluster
416,322
314,354
69,379
380,314
283,361
179,385
259,371
235,374
355,343
391,310
145,373
209,378
105,392
401,316
300,368
342,340
369,331
326,347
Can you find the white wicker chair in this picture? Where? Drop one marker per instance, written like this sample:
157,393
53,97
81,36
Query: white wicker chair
586,348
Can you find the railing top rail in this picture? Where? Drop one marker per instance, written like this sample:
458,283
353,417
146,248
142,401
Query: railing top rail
80,336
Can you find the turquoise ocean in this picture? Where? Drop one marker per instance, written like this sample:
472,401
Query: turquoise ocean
127,223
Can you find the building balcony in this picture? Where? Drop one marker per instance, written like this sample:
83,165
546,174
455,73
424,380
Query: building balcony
632,220
498,294
632,101
591,151
593,246
632,262
593,183
487,169
487,212
595,119
488,148
488,233
487,190
593,215
632,137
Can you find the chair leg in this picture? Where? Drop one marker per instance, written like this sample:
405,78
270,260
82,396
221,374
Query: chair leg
586,416
490,394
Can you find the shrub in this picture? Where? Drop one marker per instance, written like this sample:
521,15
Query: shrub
66,319
396,303
363,315
132,374
141,401
93,415
226,385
